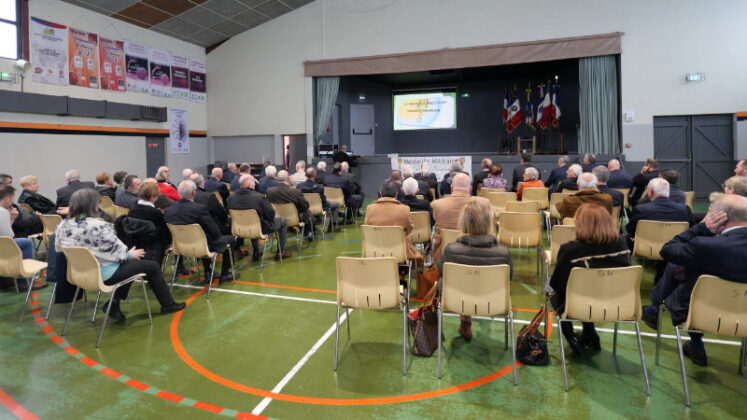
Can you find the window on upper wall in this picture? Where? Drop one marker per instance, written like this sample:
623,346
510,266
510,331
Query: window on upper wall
10,29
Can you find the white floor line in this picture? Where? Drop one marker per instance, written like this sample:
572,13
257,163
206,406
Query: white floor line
528,287
242,292
283,382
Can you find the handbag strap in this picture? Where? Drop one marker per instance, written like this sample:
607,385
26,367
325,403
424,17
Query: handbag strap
535,323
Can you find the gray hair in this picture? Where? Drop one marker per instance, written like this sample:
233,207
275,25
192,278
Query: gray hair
590,157
735,207
197,179
282,176
602,173
161,176
456,166
321,165
410,186
408,171
84,203
532,173
613,163
186,173
231,166
271,171
72,175
587,180
659,187
246,181
301,165
345,166
187,188
563,159
217,173
425,168
485,163
576,169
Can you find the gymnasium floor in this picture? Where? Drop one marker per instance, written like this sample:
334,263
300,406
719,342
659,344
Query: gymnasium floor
265,344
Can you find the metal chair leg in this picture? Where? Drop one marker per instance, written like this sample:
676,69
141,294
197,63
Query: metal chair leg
347,321
212,273
404,339
173,275
440,328
505,332
614,342
742,356
70,311
106,317
264,251
513,345
147,302
682,365
562,353
28,296
230,258
96,306
51,301
643,357
337,335
300,240
658,333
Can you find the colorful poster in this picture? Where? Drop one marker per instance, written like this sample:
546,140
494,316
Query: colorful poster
180,77
160,73
111,53
49,52
197,86
136,57
178,130
440,165
83,58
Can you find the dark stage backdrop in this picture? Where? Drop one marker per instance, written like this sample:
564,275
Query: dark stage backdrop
479,115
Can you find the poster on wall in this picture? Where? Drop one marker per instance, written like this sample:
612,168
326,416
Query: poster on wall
49,52
440,165
136,57
160,73
83,58
197,86
111,54
178,130
180,77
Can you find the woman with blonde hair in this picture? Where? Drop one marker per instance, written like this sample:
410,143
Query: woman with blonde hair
30,195
598,244
478,246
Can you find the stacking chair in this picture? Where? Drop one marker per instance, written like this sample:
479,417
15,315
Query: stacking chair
569,221
433,193
616,216
218,196
246,224
536,194
84,272
553,213
386,241
190,241
290,212
651,235
625,192
317,209
336,194
12,264
717,306
228,185
604,295
420,196
120,211
521,230
477,291
448,236
561,234
522,206
107,205
498,201
421,233
369,283
50,222
484,192
690,199
26,207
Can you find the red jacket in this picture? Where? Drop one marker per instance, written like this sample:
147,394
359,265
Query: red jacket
170,191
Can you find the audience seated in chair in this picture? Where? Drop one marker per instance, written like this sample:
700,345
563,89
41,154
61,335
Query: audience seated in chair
83,228
119,179
387,211
105,186
283,193
478,246
456,167
353,178
676,193
603,174
310,186
214,183
495,178
531,180
649,171
31,196
410,189
589,162
244,169
72,179
299,176
131,189
230,173
144,226
8,215
480,176
336,180
571,179
660,207
424,188
524,162
558,174
426,175
618,177
715,246
587,193
163,201
162,177
321,172
270,179
598,244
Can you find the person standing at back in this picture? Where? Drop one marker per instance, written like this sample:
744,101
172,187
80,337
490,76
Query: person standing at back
524,162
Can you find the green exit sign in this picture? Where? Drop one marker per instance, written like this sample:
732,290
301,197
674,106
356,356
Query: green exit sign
6,77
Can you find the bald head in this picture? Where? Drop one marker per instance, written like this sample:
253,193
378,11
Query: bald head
741,168
247,181
735,207
613,165
186,173
461,182
283,177
587,180
217,173
485,164
72,175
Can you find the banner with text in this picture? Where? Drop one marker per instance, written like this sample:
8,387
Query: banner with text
180,77
179,130
49,52
197,85
160,73
440,165
84,58
111,54
136,56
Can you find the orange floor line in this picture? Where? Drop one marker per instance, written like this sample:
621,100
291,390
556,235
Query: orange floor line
17,409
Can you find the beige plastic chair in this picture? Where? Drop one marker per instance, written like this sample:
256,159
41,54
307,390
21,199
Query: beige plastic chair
246,224
484,192
218,196
13,265
421,233
317,209
50,222
446,195
420,196
448,236
522,206
537,194
290,212
477,291
386,241
561,234
616,210
717,306
26,207
567,191
498,201
369,283
433,193
553,212
522,230
228,185
120,211
107,205
690,199
478,189
651,235
189,241
84,272
336,195
604,295
625,192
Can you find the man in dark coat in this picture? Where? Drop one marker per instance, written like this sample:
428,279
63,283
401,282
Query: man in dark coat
649,171
72,179
676,193
129,196
310,186
336,180
409,189
480,176
284,193
524,162
618,177
214,183
716,247
661,208
602,174
558,174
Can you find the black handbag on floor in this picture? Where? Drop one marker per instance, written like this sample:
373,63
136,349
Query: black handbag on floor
531,345
424,329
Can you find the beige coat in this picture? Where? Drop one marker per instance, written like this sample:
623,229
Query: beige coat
571,203
389,212
446,214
